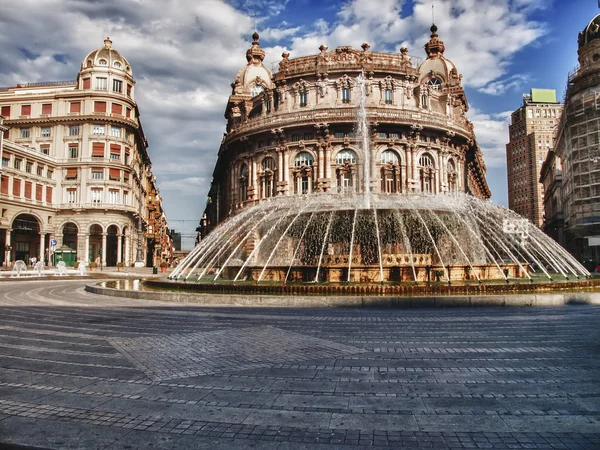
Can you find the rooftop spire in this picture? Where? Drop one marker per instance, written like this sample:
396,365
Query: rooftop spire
255,54
435,48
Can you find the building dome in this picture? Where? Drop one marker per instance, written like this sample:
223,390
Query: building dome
591,32
106,57
436,67
254,76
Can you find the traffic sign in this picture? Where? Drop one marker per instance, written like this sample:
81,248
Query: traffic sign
53,243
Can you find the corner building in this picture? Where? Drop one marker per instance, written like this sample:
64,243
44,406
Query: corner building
532,132
293,132
75,168
578,149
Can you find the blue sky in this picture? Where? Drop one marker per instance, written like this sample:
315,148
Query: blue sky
185,53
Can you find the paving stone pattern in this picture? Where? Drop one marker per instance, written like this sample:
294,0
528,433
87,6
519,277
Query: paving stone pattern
78,370
167,357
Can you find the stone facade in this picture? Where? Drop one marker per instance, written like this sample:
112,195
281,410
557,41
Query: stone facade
577,148
293,132
531,133
75,168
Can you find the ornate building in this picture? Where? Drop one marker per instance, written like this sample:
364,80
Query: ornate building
578,148
75,167
292,132
531,132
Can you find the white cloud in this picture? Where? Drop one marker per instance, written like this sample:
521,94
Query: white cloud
512,83
492,135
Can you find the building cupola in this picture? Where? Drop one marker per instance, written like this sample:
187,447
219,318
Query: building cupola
434,47
255,54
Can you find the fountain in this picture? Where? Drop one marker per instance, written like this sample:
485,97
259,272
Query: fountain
368,237
19,267
61,267
39,267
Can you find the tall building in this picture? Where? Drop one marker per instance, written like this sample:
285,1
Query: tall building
578,148
531,135
293,132
75,168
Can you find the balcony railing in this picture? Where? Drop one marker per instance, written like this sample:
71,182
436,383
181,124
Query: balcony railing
117,206
374,114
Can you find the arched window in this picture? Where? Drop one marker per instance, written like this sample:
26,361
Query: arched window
267,178
304,159
345,156
243,183
256,89
452,177
391,175
388,97
427,174
102,62
346,173
303,172
117,65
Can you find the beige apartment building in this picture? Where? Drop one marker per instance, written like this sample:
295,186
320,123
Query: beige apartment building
293,131
75,168
531,135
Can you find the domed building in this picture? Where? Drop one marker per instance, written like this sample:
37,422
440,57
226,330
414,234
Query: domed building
294,131
76,171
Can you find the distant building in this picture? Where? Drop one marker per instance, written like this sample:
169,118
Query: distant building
531,135
578,148
176,241
75,168
293,132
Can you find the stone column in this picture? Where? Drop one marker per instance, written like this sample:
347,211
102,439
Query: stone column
286,170
280,165
254,179
328,164
42,250
7,241
87,248
321,163
103,249
119,251
127,244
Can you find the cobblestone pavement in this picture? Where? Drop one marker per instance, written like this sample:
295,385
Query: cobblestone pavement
82,371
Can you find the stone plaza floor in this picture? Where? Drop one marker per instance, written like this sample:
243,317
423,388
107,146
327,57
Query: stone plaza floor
85,371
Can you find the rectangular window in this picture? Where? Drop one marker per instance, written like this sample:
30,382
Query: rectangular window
117,86
71,174
74,130
75,107
127,155
4,189
71,195
125,197
96,195
303,98
16,187
39,192
25,110
5,161
125,177
393,136
97,174
129,90
45,149
28,167
296,137
267,105
17,164
25,132
98,129
40,170
50,173
98,150
46,109
5,112
101,83
117,109
345,95
308,136
114,174
115,151
73,151
99,107
28,190
383,135
339,135
113,196
115,131
48,194
46,132
87,84
388,96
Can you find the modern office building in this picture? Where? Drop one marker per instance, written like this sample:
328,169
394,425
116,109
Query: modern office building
75,168
578,148
293,131
531,135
